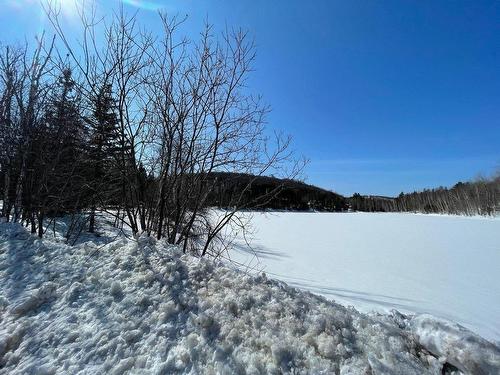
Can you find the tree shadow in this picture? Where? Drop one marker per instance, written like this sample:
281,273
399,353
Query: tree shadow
260,251
73,230
354,295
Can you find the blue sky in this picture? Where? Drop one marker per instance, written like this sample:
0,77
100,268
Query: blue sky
381,96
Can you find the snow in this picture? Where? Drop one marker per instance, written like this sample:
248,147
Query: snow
463,349
139,306
446,266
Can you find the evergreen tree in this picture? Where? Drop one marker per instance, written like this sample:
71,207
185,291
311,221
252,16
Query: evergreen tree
56,154
104,151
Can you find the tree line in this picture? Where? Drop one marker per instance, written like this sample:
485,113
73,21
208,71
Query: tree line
135,124
479,197
291,194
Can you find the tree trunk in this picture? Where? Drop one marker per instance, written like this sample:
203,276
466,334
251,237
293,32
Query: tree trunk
33,223
6,194
19,190
40,224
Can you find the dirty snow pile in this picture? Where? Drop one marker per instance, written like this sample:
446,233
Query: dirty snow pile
142,307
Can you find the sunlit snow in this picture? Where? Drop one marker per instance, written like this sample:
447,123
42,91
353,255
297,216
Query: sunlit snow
447,266
119,305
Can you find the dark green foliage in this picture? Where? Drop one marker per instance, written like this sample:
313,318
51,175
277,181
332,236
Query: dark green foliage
104,149
56,152
272,193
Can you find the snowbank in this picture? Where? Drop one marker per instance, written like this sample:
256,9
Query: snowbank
466,351
141,307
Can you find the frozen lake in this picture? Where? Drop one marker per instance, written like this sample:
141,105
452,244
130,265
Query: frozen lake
443,265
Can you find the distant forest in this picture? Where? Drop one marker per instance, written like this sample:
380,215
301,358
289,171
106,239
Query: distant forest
255,191
480,197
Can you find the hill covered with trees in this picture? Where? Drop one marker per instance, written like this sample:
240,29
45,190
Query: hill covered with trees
267,192
480,197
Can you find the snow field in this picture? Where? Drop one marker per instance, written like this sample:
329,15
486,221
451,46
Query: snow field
446,266
142,307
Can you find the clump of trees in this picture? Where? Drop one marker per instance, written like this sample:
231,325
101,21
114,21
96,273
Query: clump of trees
290,194
479,197
134,124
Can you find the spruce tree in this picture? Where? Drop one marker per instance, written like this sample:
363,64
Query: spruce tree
57,153
104,150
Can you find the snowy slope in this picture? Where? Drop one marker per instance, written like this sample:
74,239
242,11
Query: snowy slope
141,307
447,266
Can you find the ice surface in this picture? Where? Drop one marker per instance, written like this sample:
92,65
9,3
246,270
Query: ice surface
142,307
447,266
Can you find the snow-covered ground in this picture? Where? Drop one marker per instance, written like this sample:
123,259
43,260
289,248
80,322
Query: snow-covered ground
137,306
447,266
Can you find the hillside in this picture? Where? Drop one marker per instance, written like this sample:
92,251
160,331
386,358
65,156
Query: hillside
272,193
480,197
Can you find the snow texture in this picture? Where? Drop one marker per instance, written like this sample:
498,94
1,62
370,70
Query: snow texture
446,266
142,307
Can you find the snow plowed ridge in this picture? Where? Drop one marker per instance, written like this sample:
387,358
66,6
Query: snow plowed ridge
141,307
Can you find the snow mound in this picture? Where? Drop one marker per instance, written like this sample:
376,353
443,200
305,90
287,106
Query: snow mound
466,351
142,307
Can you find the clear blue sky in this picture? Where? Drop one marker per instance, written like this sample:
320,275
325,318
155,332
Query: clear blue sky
381,96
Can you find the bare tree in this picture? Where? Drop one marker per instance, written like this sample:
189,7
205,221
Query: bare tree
478,197
183,112
205,122
26,82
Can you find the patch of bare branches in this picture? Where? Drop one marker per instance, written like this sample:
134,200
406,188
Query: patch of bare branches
137,125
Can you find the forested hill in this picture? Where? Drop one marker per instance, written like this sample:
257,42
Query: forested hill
272,193
480,197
